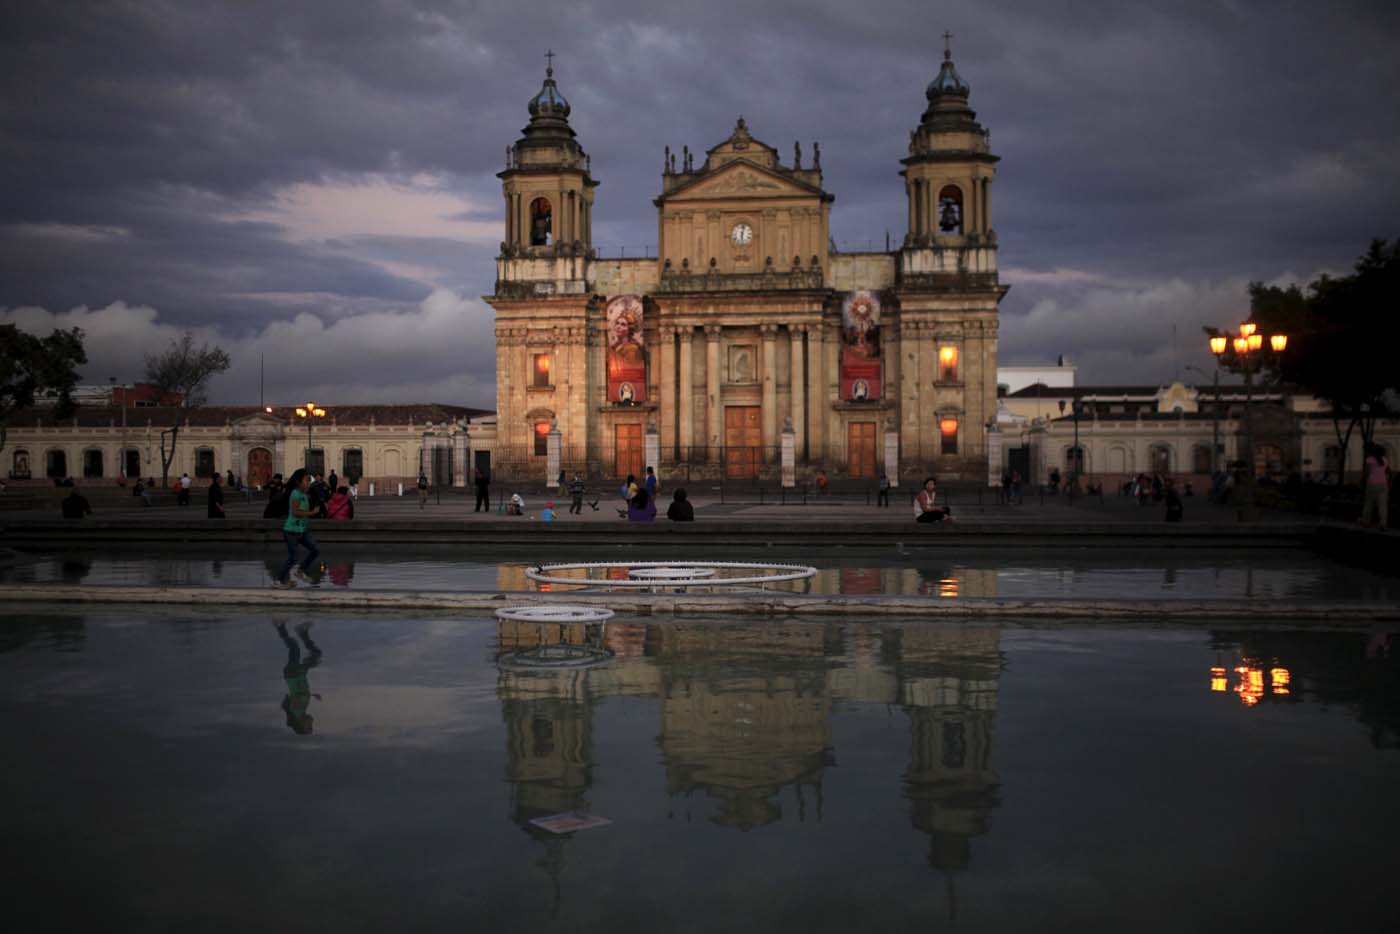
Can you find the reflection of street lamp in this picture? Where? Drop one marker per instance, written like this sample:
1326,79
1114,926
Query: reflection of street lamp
1249,354
309,413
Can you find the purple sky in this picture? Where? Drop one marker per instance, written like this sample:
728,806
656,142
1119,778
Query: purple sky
315,181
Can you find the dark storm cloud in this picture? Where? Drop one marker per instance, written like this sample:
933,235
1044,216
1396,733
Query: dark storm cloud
1156,155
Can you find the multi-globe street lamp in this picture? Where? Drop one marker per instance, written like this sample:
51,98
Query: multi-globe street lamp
309,413
1247,353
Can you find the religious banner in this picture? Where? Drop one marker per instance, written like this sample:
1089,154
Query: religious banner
861,371
627,358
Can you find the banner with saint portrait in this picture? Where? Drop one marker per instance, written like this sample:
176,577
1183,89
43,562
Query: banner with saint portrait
627,358
862,374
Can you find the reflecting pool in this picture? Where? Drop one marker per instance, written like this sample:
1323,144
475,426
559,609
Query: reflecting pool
345,772
1014,573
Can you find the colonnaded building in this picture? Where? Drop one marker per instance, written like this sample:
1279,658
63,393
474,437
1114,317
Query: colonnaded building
747,332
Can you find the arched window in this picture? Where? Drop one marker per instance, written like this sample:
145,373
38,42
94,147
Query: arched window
92,464
19,465
541,222
56,465
950,210
204,462
1074,460
352,464
1200,459
131,463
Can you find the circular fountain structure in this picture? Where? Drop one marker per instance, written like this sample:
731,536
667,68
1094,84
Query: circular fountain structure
656,575
553,636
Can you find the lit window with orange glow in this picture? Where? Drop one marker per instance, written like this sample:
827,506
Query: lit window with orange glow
948,433
948,364
542,371
541,439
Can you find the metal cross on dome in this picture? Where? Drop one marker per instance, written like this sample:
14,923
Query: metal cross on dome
947,45
549,57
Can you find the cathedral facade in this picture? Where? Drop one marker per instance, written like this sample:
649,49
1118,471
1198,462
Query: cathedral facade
747,332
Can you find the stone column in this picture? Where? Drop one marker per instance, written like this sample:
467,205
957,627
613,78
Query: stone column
551,454
687,403
796,342
892,451
909,387
789,454
994,448
770,387
713,413
667,385
459,458
817,402
651,449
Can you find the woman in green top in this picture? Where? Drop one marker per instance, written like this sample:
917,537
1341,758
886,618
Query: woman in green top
294,531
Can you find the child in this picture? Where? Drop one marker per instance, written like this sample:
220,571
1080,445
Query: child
548,514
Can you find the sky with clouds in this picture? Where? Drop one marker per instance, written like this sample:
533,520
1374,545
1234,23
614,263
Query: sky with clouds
313,183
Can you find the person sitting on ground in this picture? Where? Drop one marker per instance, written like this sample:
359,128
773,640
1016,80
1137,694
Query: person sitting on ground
641,508
75,505
681,509
926,508
823,487
548,514
341,507
516,505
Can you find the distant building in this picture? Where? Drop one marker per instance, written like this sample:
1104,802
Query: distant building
382,443
1015,378
1172,430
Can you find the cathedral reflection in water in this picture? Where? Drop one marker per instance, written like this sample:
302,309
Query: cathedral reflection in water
746,715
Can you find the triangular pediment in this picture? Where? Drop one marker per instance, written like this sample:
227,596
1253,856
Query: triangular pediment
257,420
741,178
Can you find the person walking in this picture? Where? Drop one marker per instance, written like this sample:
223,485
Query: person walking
1375,479
422,489
216,498
883,499
576,491
926,508
183,497
295,533
483,491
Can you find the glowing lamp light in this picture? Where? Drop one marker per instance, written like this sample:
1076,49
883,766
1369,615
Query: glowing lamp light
301,413
267,409
1255,341
1217,345
1241,345
948,354
1248,328
320,413
1278,342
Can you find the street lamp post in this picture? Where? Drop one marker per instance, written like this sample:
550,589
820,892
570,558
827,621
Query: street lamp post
1214,421
1075,406
309,413
1247,352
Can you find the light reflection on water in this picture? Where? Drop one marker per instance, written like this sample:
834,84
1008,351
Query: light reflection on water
387,771
1086,574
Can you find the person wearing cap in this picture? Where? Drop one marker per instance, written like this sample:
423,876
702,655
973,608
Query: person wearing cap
548,514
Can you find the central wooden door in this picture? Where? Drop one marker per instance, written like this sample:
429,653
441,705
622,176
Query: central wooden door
628,451
743,441
259,468
860,449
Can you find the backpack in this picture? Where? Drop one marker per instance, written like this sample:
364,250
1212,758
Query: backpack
278,505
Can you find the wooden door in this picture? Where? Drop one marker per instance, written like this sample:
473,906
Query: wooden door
259,467
628,451
743,441
860,449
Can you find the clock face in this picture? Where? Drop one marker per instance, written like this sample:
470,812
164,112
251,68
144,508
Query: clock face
742,234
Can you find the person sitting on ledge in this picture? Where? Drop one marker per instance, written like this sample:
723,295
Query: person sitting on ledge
75,505
925,507
681,509
641,508
515,506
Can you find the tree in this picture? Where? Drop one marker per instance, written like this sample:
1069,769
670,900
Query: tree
1342,338
181,374
32,367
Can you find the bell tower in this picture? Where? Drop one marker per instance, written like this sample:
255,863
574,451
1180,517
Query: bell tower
948,172
548,202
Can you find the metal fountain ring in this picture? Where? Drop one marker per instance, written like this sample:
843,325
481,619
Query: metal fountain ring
555,613
644,574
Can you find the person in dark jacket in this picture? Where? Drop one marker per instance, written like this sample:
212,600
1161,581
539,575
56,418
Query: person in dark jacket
1176,509
681,509
75,505
483,491
641,509
216,498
